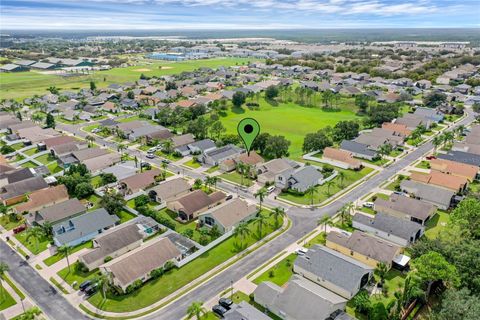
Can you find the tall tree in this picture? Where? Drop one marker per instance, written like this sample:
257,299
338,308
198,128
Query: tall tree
64,251
196,309
261,194
241,231
50,121
277,213
36,233
326,220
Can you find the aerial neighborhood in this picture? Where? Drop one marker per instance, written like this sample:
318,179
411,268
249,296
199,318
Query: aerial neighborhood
131,193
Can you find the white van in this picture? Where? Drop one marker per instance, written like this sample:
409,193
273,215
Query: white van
271,189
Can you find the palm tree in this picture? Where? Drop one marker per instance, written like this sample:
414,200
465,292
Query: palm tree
326,220
341,176
208,182
90,140
197,184
47,229
164,172
241,169
381,271
196,309
329,184
241,231
350,207
459,130
214,181
103,281
36,117
120,148
37,233
448,137
64,251
167,146
3,268
311,190
277,213
384,150
260,220
437,141
261,194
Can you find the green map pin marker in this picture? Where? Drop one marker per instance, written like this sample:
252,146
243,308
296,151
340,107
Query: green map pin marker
248,129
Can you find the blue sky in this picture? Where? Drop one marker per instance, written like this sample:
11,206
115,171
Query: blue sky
236,14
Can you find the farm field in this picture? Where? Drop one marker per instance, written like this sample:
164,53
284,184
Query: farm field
290,120
21,85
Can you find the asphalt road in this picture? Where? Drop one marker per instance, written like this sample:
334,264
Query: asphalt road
53,304
303,222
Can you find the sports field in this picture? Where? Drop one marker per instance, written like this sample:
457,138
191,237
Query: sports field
20,85
291,120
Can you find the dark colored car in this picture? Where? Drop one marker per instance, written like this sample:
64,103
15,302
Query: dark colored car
431,157
91,289
19,229
218,309
229,197
226,303
85,284
166,161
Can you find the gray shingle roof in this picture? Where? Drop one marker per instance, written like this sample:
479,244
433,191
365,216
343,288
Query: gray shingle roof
85,224
398,227
223,152
463,157
356,147
334,267
428,192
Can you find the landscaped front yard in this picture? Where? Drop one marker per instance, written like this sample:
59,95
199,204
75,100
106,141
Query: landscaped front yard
57,257
30,152
6,300
325,191
175,279
279,273
54,168
9,223
46,158
74,274
236,177
31,244
192,164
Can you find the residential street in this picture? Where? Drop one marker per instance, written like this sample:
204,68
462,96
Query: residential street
304,220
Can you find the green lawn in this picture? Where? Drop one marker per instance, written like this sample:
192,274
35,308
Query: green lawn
151,204
54,168
28,164
212,169
16,146
31,243
175,279
436,224
8,223
18,85
75,275
235,177
96,181
378,162
279,273
6,300
46,158
180,227
192,164
378,195
323,192
423,164
57,257
319,239
30,152
291,120
124,216
91,127
393,185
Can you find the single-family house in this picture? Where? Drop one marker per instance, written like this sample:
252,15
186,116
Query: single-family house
299,179
359,150
459,169
400,231
228,215
397,129
189,206
138,182
57,212
216,156
340,158
169,190
140,262
363,247
299,299
406,208
17,191
440,197
252,159
430,114
463,157
244,311
440,179
333,270
82,228
266,172
117,241
40,199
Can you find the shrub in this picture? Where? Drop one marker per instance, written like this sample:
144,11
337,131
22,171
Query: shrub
187,233
107,258
157,273
204,240
165,221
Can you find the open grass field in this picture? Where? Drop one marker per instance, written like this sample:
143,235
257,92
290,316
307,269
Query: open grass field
175,279
20,85
291,120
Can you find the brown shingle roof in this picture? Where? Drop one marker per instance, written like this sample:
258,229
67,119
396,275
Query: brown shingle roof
440,179
197,200
405,205
141,180
56,141
41,198
341,155
171,189
143,260
366,245
454,168
232,212
251,159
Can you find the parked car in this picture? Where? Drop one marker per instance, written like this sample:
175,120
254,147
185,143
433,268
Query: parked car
431,157
150,155
19,229
152,150
226,303
229,197
166,161
301,251
368,204
271,189
85,284
96,130
91,289
218,309
144,164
